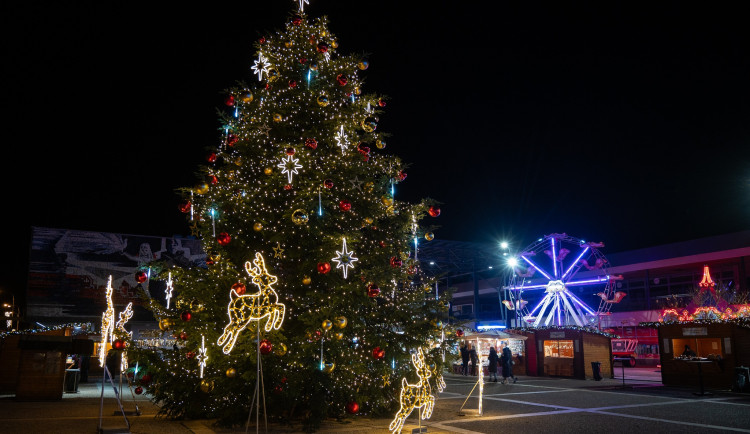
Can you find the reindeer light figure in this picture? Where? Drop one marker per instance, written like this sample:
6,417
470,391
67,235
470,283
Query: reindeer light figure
415,395
243,309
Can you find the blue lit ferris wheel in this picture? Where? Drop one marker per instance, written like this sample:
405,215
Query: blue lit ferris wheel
558,264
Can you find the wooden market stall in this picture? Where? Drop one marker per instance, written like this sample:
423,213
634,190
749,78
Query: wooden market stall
494,338
566,352
719,348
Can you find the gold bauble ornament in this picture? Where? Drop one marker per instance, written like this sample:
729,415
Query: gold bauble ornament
300,217
238,161
268,170
322,100
215,257
323,33
328,367
341,322
334,44
230,174
207,385
247,97
258,226
313,66
289,44
277,117
231,372
369,220
202,189
165,324
429,236
338,336
327,324
357,91
369,186
387,201
306,280
363,64
280,349
380,144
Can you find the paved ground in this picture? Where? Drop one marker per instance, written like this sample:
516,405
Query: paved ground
532,405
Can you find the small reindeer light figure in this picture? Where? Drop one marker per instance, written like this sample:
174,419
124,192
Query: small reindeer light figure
243,309
415,395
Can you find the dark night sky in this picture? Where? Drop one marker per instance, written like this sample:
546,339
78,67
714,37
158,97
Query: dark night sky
625,122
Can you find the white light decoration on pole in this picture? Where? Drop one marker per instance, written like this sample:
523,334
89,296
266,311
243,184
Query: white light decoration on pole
170,288
108,324
344,259
261,66
342,140
289,165
202,355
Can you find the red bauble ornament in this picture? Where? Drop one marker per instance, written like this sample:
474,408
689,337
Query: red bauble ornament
352,407
183,336
232,140
364,150
412,269
396,261
211,158
290,151
190,354
278,389
401,175
434,211
229,101
345,205
297,20
239,288
223,238
322,47
262,40
141,276
378,353
381,103
138,390
146,379
265,347
186,316
324,267
382,244
288,187
342,79
302,60
118,344
311,143
459,333
373,290
185,207
213,179
292,84
328,183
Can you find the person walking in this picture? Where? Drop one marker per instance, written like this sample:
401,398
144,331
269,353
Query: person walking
474,361
464,359
493,361
507,362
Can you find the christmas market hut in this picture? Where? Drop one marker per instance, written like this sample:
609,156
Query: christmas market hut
483,340
706,348
567,352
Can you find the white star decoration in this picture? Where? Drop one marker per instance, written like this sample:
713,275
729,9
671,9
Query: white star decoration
289,166
341,139
169,289
261,66
356,183
345,259
202,356
302,4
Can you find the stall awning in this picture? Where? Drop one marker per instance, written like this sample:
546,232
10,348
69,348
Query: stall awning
492,334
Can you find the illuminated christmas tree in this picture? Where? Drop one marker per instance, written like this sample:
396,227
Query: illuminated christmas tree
304,239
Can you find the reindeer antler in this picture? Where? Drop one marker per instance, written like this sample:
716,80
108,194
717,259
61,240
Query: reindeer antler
259,273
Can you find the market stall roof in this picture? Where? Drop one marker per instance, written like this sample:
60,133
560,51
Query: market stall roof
492,334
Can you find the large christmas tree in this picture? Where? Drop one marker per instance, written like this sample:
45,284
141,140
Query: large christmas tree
305,240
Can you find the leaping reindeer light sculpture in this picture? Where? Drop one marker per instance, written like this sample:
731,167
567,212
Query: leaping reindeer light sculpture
415,395
243,309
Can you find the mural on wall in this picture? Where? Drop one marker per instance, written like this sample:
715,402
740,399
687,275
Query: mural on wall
69,270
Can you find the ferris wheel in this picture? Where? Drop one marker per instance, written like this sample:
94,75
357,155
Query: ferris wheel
558,263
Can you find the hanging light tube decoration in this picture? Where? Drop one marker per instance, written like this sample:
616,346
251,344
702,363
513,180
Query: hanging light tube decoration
108,324
413,396
243,309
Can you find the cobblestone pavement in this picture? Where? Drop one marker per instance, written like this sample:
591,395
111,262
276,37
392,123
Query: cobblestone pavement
534,404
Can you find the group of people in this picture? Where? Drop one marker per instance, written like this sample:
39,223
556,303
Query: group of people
504,360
